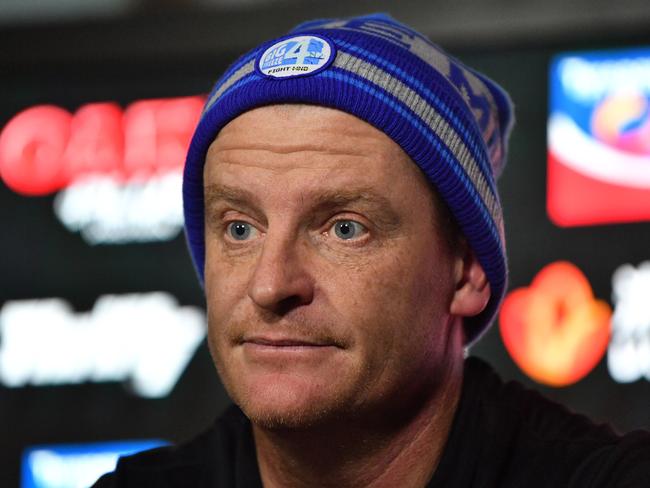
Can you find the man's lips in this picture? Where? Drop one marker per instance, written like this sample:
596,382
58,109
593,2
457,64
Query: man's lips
284,350
285,342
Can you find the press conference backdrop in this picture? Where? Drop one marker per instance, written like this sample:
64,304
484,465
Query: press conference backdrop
102,328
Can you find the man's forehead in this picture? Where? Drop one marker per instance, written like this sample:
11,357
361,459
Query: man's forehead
283,138
321,123
288,110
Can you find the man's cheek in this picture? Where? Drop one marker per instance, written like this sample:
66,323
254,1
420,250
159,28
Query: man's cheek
215,346
226,291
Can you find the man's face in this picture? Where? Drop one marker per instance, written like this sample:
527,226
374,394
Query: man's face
328,279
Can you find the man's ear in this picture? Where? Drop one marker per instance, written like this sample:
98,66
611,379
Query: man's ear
472,287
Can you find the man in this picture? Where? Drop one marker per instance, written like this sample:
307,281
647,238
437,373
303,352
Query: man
342,212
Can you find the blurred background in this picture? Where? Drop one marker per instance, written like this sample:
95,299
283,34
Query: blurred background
102,331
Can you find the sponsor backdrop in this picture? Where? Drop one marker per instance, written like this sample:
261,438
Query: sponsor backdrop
102,324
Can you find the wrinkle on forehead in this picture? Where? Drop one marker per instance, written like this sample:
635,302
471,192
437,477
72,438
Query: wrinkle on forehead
309,165
303,129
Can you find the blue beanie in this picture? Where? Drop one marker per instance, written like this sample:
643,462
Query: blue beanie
452,121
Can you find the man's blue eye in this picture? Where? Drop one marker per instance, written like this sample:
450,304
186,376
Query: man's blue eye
348,229
240,231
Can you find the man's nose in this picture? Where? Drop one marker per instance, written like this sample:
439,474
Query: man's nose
281,280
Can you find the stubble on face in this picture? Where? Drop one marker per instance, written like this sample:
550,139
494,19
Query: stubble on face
276,396
377,306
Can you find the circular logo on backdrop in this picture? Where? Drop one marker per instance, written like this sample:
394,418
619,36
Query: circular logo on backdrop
622,120
296,56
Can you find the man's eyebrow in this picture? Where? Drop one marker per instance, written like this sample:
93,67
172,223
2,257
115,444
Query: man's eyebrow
382,210
214,193
237,197
341,198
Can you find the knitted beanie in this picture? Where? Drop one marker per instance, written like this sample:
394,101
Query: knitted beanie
451,121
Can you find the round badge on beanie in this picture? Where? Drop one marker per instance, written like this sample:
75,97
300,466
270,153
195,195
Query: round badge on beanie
296,56
452,121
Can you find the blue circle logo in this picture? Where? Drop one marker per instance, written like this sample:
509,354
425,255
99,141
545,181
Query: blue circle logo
296,56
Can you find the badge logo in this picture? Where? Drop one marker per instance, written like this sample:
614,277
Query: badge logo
296,56
555,330
599,138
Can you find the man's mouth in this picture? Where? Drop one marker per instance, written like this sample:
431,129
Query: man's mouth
281,342
279,346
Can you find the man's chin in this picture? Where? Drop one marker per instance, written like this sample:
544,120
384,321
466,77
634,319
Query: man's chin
287,419
291,406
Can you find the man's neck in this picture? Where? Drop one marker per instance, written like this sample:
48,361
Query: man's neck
356,453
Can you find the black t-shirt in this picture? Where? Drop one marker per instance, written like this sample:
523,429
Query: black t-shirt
502,436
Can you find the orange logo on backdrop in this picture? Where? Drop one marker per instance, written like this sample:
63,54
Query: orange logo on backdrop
555,330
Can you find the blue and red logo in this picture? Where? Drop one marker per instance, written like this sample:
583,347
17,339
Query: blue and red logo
599,138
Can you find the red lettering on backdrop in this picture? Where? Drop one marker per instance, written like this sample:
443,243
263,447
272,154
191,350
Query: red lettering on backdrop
31,149
45,148
140,138
175,121
96,142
